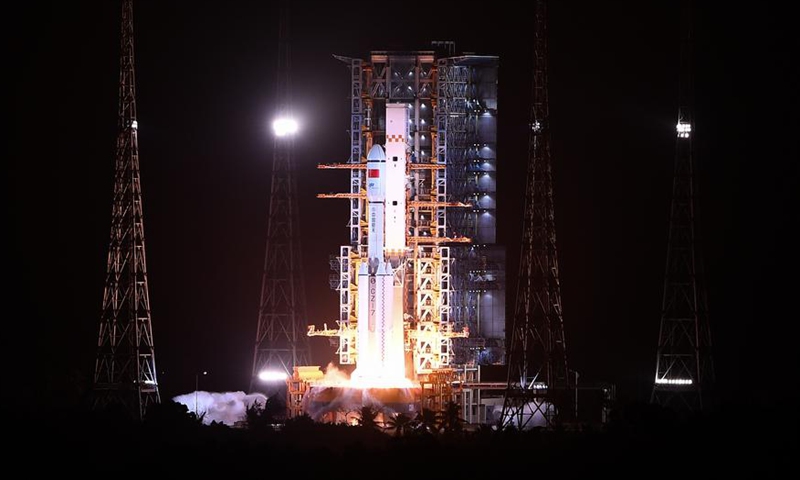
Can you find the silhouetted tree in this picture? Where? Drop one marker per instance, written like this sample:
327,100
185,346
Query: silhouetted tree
301,423
485,431
367,416
400,423
276,407
172,415
258,416
449,419
425,421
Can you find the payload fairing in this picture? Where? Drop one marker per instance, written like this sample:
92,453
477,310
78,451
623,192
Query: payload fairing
380,330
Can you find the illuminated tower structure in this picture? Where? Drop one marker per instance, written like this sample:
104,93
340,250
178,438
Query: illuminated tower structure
538,382
684,369
281,341
451,270
125,371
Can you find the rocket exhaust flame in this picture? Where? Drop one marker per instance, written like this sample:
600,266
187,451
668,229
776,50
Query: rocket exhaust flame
339,379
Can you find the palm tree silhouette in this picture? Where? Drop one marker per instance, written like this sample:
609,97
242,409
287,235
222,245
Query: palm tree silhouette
367,416
426,420
449,419
400,423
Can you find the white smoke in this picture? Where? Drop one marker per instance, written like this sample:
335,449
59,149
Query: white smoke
334,376
337,392
223,407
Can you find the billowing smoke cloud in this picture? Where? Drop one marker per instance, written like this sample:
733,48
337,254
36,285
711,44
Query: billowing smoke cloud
336,393
334,376
224,407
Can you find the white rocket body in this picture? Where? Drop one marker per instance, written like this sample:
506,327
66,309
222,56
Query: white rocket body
396,137
379,338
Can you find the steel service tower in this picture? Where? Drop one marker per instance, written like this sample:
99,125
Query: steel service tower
421,282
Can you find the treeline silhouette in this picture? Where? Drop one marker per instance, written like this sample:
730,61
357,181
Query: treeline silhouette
640,440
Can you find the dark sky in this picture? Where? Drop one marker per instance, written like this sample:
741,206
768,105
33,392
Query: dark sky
205,81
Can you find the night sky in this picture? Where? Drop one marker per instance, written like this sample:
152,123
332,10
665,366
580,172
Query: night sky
205,74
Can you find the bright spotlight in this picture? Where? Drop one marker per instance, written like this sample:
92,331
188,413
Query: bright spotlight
272,376
284,127
684,129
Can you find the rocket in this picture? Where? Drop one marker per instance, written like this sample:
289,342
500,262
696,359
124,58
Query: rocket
379,333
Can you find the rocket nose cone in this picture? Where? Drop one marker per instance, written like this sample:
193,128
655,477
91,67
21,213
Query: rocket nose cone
376,153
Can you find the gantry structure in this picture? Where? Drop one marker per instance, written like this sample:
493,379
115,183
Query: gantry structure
453,275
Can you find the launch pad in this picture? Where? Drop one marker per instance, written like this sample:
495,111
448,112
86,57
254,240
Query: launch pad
343,404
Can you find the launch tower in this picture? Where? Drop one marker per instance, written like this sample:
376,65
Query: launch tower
426,123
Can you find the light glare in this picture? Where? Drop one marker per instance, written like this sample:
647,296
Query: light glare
272,376
674,381
284,126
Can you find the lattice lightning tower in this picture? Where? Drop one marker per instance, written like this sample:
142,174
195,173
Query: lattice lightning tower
684,369
125,371
537,365
281,341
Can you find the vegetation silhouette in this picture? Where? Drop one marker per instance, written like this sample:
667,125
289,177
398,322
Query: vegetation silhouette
400,424
635,439
367,417
449,420
263,416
